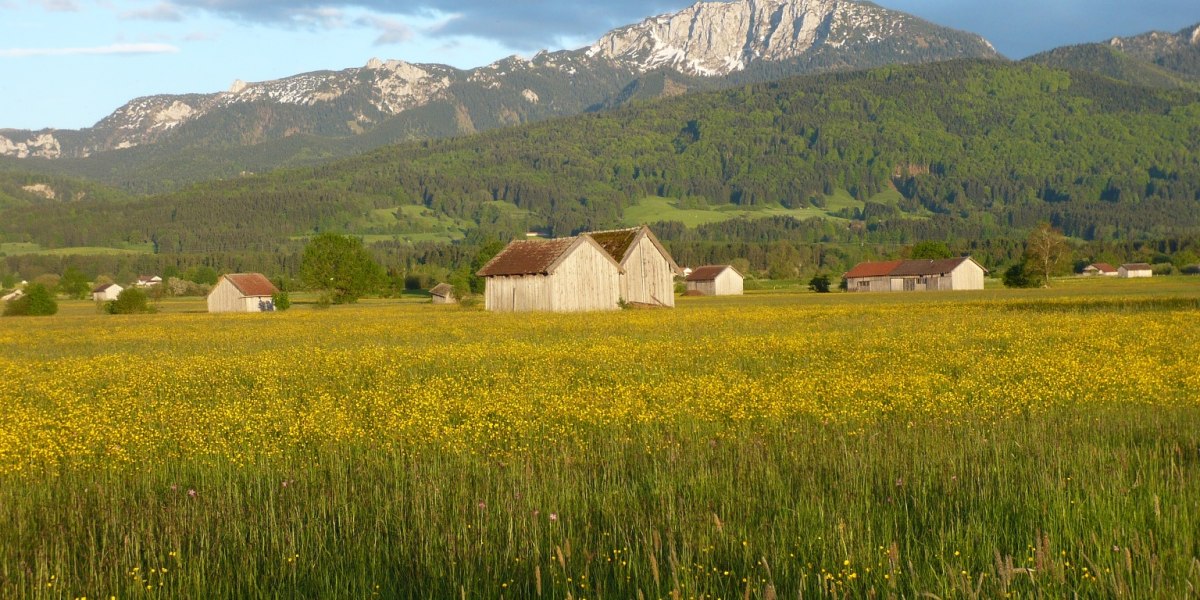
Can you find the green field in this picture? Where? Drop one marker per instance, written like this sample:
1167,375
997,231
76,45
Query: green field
14,248
1022,443
654,208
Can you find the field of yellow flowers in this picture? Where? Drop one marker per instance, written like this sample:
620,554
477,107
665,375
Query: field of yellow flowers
964,445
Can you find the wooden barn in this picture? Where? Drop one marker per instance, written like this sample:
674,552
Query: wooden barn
106,292
916,275
1100,270
242,292
1132,270
715,280
648,271
443,293
562,275
145,281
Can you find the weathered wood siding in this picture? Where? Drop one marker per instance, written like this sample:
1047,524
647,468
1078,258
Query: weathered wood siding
869,284
444,300
728,283
585,280
1124,273
706,288
225,297
648,278
967,276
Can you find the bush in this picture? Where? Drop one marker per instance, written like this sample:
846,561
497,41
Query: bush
1017,276
819,284
37,302
281,300
1191,270
1165,268
131,301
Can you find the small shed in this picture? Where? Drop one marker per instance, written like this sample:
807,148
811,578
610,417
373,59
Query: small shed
648,271
145,281
1132,270
715,280
562,275
242,292
1100,270
106,292
443,293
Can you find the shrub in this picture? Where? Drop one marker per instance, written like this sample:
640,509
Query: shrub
37,301
281,300
1017,276
130,301
819,284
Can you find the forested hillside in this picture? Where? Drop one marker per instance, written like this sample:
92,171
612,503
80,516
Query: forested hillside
966,150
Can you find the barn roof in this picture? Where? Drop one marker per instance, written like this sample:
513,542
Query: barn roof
537,257
100,288
442,289
1136,267
1104,267
619,242
251,284
873,269
708,272
908,268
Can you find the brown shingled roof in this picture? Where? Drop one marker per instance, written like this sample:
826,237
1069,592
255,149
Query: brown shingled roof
1136,267
1104,267
527,257
617,243
939,266
708,272
251,284
873,269
101,288
444,290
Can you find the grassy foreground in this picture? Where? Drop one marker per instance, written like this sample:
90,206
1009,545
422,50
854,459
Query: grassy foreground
963,445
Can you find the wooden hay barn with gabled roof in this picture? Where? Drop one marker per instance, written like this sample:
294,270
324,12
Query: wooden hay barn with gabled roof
1133,270
563,275
443,293
916,275
242,292
648,271
108,291
715,280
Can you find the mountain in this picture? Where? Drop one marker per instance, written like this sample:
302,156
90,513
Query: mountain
707,46
961,150
1154,59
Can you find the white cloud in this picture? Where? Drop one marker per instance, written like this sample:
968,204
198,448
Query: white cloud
59,5
391,31
94,50
163,11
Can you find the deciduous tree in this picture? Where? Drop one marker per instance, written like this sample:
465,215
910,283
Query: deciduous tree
340,266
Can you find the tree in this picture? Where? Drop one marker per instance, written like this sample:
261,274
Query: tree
202,275
73,283
1045,250
340,266
819,284
130,301
37,301
930,250
1017,276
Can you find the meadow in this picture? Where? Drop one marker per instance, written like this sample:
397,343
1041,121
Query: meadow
1023,444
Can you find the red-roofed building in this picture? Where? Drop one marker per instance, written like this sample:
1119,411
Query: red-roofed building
916,275
1100,270
242,292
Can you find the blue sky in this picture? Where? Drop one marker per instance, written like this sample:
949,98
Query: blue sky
69,63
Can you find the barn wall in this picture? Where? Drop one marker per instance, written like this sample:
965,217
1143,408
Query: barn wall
225,298
586,280
874,284
515,293
728,283
648,277
443,300
707,288
967,276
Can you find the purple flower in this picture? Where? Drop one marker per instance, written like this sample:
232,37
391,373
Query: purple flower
191,492
553,516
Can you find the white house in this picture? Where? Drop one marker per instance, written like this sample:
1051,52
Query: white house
145,281
916,275
242,292
715,280
647,269
106,292
1131,270
562,275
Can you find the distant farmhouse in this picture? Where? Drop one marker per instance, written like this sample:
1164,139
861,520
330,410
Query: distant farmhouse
1100,270
242,292
106,292
562,275
647,269
13,295
145,281
1132,270
916,275
715,280
443,293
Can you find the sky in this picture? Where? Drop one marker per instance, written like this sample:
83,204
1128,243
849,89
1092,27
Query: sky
69,63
